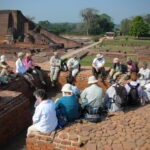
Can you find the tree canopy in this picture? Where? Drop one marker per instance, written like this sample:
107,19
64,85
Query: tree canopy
139,27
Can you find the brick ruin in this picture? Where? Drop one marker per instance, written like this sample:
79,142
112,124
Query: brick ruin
14,26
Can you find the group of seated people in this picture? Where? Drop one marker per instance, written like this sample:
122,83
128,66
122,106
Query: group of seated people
75,104
88,104
25,67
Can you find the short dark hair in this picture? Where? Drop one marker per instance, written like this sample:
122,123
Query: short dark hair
40,93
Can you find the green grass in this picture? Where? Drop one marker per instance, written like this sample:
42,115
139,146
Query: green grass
119,44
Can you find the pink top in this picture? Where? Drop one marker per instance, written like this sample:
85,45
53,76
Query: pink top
28,62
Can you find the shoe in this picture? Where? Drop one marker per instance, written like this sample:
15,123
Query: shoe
43,82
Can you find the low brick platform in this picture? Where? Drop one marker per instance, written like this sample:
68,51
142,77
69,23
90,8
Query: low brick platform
15,114
119,131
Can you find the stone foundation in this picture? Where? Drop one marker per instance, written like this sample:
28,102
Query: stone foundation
15,114
127,130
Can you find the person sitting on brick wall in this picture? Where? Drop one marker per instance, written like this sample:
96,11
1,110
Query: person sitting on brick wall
98,66
68,103
73,65
116,69
55,64
6,72
144,74
21,70
32,68
44,118
92,95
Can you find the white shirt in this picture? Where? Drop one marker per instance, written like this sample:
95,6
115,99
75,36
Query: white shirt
99,62
44,118
20,67
73,63
145,73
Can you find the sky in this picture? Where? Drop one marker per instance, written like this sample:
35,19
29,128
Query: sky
69,10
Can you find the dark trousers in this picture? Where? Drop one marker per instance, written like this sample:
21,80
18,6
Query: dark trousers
100,73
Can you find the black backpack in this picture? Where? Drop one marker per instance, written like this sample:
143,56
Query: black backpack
120,97
64,67
133,96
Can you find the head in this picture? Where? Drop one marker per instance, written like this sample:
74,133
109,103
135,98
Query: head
66,89
3,58
92,80
20,55
129,61
28,55
144,65
40,95
56,54
133,76
116,60
99,56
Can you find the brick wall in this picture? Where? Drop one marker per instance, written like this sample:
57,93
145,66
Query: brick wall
57,39
3,24
15,114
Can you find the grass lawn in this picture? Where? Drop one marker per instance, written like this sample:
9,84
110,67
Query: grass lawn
119,44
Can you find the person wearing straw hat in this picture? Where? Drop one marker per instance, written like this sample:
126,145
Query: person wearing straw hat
98,66
116,70
55,64
68,103
92,95
3,66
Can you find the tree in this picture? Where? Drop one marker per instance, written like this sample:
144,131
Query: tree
96,23
125,26
88,15
138,27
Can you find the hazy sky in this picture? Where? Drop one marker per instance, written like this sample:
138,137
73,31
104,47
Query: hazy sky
69,10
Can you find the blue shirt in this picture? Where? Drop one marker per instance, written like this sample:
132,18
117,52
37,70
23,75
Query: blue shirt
20,67
44,118
69,107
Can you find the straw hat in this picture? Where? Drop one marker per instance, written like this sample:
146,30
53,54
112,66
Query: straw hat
115,60
99,56
3,58
20,54
92,80
66,88
55,53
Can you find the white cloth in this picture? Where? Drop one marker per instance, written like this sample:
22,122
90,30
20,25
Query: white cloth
99,62
44,118
20,67
73,63
145,73
91,93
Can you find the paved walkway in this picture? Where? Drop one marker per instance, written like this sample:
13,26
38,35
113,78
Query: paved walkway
70,54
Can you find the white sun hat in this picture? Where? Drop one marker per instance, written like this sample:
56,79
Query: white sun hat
99,56
66,88
3,58
92,80
20,54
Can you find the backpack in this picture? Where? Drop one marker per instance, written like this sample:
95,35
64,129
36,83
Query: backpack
123,68
121,95
92,114
133,96
64,67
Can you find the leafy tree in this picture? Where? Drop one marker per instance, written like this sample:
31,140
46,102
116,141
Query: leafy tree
95,23
88,15
139,27
125,26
